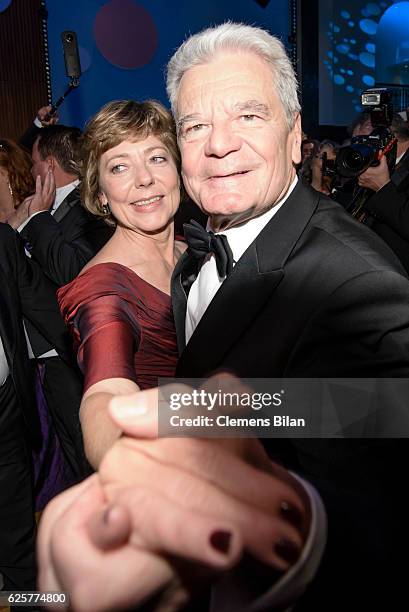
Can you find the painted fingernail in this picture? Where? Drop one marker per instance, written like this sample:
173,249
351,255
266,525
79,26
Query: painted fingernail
290,513
220,541
287,550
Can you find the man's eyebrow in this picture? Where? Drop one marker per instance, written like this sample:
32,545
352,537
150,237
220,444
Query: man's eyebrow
185,118
254,106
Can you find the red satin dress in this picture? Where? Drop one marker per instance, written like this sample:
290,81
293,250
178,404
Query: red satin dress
122,326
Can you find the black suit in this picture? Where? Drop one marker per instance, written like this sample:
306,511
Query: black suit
316,295
62,244
388,211
23,291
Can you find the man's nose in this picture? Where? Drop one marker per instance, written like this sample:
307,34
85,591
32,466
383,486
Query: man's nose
222,140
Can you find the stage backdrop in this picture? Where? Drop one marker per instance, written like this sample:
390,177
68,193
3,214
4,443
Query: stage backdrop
361,44
125,44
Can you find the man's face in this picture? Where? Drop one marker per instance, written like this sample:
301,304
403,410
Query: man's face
237,152
307,150
40,166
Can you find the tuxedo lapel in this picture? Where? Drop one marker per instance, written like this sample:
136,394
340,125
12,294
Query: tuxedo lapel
244,293
66,205
182,279
229,313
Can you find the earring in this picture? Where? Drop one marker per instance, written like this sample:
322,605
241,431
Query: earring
10,188
105,209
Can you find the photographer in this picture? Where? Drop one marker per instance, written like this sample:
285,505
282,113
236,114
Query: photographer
388,207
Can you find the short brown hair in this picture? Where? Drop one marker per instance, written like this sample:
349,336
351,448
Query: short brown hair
17,163
118,121
63,143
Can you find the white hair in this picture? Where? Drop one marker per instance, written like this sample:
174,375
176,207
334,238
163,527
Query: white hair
203,46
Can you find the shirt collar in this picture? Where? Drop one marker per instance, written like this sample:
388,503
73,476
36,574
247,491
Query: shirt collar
62,192
242,236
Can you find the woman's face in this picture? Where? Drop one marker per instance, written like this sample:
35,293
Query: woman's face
6,199
140,182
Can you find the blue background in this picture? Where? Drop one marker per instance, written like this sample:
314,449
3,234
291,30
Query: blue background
102,81
361,45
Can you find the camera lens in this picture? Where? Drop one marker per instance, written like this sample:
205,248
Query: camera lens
354,160
69,38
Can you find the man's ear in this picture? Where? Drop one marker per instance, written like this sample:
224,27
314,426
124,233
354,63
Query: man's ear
51,162
297,139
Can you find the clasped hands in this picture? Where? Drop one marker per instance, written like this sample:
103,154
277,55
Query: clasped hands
164,517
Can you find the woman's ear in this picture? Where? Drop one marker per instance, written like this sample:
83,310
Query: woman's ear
103,200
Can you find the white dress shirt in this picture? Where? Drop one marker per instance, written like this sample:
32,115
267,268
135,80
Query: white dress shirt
208,281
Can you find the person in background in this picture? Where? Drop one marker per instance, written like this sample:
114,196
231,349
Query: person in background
61,237
387,208
41,120
24,291
16,181
309,148
314,169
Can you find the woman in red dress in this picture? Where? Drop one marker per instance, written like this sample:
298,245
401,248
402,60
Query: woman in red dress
119,308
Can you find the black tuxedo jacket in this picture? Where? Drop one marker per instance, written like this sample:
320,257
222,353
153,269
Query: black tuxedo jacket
25,291
317,295
389,212
63,243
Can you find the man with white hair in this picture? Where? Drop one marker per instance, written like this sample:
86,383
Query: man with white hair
284,285
311,293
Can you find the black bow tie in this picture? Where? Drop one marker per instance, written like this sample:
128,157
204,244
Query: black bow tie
201,242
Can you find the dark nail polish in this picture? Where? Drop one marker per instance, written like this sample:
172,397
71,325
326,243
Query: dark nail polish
220,541
290,513
287,550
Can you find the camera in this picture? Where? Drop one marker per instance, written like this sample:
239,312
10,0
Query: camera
71,54
365,151
329,167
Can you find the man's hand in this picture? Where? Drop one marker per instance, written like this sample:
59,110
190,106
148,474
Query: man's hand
43,115
44,195
115,574
375,177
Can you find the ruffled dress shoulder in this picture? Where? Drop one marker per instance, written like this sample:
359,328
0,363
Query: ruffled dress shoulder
122,326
